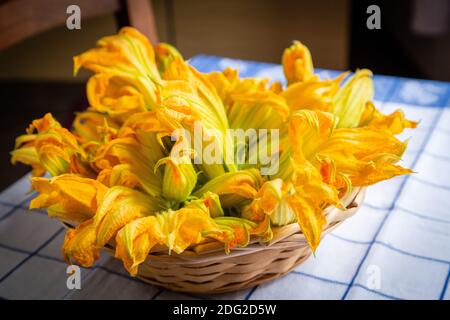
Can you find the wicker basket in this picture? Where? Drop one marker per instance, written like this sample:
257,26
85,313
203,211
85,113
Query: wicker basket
213,271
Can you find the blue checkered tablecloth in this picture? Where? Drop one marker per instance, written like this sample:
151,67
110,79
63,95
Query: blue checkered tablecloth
396,247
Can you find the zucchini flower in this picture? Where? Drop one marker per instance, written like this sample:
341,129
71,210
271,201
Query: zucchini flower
394,123
176,230
125,161
227,83
26,153
129,160
312,94
55,148
127,57
117,96
184,107
119,206
79,245
233,188
322,163
68,197
351,99
210,202
239,231
91,126
363,155
165,54
297,63
180,176
258,110
189,98
353,107
302,200
249,102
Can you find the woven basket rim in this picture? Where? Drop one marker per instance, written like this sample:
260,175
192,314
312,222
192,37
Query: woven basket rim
354,198
215,271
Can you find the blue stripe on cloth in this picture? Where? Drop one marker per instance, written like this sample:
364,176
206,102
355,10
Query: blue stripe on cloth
418,256
407,211
15,207
319,278
419,215
250,293
4,246
100,267
437,156
386,245
443,130
385,218
349,240
444,289
157,294
377,292
31,255
429,183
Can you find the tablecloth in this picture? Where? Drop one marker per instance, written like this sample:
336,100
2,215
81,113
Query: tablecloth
396,247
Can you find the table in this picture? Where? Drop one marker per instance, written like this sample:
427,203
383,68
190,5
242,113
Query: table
396,247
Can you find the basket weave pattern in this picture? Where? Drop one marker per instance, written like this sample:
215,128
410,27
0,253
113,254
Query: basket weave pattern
212,271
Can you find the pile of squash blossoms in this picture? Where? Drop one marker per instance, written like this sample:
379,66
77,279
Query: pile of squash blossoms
115,176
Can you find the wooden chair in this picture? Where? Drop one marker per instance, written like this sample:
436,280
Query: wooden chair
20,19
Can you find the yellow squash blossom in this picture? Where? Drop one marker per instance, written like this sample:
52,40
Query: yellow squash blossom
128,56
209,201
258,110
79,245
394,123
181,71
94,127
184,108
177,230
56,149
180,176
351,99
351,103
125,161
313,94
227,84
118,207
233,188
297,63
364,155
238,231
131,157
68,197
302,199
223,82
116,96
249,102
25,152
165,54
121,205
